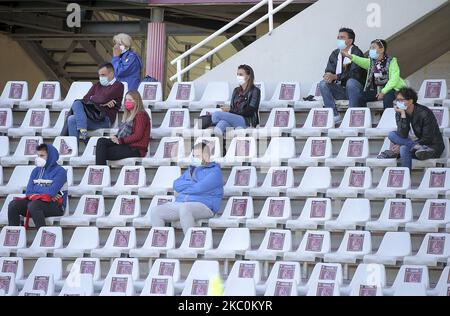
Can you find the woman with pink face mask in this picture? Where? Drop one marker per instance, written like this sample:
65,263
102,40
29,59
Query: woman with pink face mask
133,136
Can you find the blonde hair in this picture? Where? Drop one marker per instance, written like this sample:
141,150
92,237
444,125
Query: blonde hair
128,116
123,39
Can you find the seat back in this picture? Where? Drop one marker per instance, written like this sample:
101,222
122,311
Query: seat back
150,92
165,176
277,240
48,237
395,178
67,146
96,176
84,238
320,119
279,177
281,118
236,239
131,177
243,177
218,91
316,178
317,147
287,91
166,267
435,211
198,238
358,118
316,209
315,241
397,211
245,270
162,238
238,207
13,237
90,206
122,238
354,147
355,210
14,91
432,89
170,148
357,178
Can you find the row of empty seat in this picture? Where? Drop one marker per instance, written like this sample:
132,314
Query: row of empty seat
281,122
48,93
245,279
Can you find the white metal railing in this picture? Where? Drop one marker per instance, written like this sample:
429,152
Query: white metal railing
269,15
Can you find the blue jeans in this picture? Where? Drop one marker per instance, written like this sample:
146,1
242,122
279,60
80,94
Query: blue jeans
333,91
79,120
371,96
406,148
222,120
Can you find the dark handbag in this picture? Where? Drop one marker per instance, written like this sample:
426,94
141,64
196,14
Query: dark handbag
205,121
94,111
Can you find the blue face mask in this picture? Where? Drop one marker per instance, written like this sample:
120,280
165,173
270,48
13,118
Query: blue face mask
374,54
341,44
401,105
104,81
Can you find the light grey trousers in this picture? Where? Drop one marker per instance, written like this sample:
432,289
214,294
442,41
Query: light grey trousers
186,212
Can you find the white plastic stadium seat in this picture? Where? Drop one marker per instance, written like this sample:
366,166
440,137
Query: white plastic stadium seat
12,238
215,93
14,93
77,91
47,239
386,125
6,120
435,214
243,269
162,181
409,274
158,286
151,92
241,180
442,287
316,211
118,285
4,209
279,150
281,270
83,240
354,150
355,181
355,121
314,245
275,211
286,93
56,129
315,180
144,221
281,288
35,120
275,243
317,122
434,183
235,241
170,150
393,182
81,285
314,91
432,91
88,156
46,93
198,281
89,208
315,151
158,242
329,272
382,163
174,122
166,267
237,210
435,248
95,178
130,179
368,280
276,182
354,213
12,265
354,246
25,151
125,209
196,241
280,120
240,150
181,94
17,181
120,241
395,214
323,288
393,248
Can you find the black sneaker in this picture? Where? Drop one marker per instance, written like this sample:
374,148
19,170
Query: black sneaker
424,153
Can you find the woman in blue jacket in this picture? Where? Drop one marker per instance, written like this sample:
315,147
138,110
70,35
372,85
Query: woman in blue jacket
200,192
127,64
44,197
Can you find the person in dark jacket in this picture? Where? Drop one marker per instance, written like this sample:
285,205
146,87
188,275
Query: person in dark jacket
133,136
127,64
107,94
44,194
426,141
343,80
200,192
243,111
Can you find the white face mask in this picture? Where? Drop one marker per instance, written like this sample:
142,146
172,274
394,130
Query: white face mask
196,162
240,80
40,162
122,49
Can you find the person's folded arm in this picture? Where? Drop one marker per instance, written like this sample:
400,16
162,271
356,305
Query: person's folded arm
429,130
55,187
183,182
139,130
211,181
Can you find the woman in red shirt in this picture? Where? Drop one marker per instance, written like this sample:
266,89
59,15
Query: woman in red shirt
133,136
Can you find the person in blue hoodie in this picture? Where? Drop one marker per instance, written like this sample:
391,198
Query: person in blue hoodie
44,195
127,64
200,192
